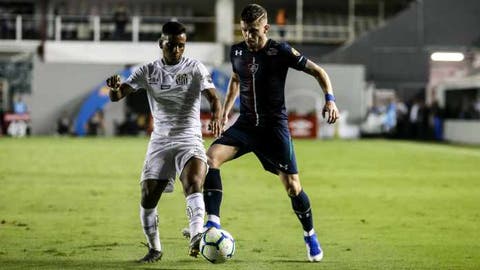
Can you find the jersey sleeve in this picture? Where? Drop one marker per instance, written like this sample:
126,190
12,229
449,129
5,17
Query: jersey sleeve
204,77
231,60
138,79
294,58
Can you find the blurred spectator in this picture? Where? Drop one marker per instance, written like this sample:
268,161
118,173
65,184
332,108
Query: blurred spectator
120,18
476,107
281,21
435,121
129,126
3,23
390,117
415,119
63,124
402,119
95,125
142,123
19,106
17,128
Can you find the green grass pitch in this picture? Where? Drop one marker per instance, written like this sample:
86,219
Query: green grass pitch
72,203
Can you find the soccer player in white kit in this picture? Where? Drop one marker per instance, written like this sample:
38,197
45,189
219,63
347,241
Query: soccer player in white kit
173,86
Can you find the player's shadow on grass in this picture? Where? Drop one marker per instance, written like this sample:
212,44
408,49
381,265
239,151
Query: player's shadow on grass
54,263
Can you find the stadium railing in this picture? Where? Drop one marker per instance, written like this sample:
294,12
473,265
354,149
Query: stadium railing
100,28
317,28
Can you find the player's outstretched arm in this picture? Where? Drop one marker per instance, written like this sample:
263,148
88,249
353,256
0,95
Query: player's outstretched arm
330,108
118,90
216,108
232,93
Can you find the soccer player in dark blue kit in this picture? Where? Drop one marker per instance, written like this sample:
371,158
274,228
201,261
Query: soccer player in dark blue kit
260,68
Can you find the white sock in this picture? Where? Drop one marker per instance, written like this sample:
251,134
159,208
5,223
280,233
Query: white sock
214,218
310,233
149,219
195,213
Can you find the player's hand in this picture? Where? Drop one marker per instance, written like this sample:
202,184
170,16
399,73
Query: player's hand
330,109
224,122
113,82
215,127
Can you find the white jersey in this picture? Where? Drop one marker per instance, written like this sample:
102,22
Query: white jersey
173,93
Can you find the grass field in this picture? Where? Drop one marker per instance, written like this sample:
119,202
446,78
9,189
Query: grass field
69,203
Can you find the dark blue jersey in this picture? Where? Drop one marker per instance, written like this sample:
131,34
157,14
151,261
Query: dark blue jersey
262,80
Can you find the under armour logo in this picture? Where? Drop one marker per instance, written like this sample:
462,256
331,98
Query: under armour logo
238,52
285,167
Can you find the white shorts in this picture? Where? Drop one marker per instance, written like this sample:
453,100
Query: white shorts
165,159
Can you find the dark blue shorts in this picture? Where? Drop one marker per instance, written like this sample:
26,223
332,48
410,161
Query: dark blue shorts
273,145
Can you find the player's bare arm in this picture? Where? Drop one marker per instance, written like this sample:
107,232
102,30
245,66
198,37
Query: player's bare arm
216,108
330,108
232,93
118,90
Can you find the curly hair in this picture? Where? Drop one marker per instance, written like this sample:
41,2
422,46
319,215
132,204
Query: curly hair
173,28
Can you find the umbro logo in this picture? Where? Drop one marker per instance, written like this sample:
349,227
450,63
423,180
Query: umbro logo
152,80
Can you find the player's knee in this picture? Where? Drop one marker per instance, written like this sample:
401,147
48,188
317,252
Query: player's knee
213,161
193,184
293,188
148,198
293,191
151,191
190,189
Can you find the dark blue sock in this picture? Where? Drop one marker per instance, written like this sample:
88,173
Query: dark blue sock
212,192
301,206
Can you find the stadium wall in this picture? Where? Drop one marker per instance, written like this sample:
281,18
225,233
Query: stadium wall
462,131
61,87
348,83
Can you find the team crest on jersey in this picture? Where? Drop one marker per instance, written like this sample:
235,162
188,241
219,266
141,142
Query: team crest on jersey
181,79
253,68
295,52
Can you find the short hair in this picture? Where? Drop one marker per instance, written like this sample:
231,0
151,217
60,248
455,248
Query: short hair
173,28
253,12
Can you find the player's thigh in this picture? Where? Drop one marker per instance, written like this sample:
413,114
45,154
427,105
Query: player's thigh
218,154
291,182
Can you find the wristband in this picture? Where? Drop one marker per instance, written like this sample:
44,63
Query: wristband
329,97
115,90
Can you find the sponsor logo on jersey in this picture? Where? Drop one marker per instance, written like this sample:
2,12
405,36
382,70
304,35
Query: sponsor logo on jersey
181,79
238,52
295,52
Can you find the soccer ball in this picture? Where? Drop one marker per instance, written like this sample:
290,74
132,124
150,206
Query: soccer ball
217,245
